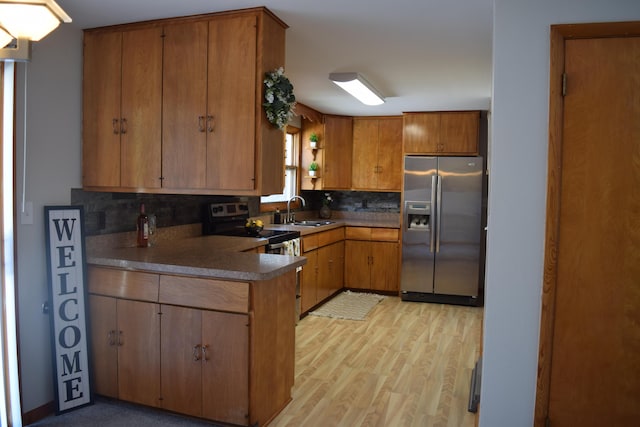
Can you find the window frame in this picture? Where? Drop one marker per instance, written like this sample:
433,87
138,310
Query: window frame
296,134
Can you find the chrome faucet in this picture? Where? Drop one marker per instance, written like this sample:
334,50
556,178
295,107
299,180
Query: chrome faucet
289,217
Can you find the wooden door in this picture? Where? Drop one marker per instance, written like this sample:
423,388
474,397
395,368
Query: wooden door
338,141
459,132
141,120
590,340
231,162
225,367
384,266
181,352
184,105
139,352
101,86
389,173
365,154
309,282
104,330
336,267
357,271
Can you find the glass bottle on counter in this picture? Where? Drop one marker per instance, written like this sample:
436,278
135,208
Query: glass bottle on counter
142,225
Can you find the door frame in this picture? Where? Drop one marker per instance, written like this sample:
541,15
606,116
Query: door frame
559,34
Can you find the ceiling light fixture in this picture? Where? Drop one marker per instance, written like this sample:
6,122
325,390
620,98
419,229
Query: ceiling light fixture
27,21
358,87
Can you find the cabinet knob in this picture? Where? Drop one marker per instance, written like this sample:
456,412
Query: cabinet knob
210,124
201,124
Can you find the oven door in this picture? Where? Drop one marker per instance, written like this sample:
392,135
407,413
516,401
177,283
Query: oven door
275,248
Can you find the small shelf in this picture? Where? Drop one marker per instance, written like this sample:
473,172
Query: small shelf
314,151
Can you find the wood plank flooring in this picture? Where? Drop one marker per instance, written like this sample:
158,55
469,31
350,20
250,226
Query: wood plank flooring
409,364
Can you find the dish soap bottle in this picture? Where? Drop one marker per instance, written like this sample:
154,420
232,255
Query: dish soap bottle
142,225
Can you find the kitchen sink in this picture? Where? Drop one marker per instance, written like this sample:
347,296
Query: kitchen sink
312,223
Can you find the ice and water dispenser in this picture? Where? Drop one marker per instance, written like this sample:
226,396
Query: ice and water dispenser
417,216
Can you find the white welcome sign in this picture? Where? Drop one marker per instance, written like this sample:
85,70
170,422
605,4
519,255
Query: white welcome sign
64,231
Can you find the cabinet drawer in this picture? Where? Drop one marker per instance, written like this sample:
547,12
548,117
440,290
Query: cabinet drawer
327,237
123,284
368,233
205,293
384,234
310,242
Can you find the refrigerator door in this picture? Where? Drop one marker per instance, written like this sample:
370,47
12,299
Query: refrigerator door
458,230
418,238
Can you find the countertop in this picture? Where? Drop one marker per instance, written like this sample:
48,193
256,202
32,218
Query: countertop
216,256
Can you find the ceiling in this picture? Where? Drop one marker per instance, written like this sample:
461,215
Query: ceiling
422,55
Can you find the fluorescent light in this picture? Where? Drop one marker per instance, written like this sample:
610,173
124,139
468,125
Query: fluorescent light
31,19
358,87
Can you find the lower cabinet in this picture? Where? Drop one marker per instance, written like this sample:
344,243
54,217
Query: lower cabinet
209,348
123,331
371,260
323,275
204,360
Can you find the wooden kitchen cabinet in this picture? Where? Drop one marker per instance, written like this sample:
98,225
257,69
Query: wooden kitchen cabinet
377,153
338,142
122,110
323,275
123,331
441,133
216,349
371,258
204,356
210,134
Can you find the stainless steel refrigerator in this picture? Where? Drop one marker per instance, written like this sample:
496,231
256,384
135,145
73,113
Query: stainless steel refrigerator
444,206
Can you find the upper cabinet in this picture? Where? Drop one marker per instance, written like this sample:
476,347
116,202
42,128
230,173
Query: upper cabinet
377,153
207,132
442,133
332,152
122,90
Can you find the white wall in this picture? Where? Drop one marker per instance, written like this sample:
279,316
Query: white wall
517,196
54,88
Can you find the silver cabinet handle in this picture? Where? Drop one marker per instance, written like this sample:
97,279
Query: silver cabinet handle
123,126
111,338
204,353
116,128
201,124
210,124
120,341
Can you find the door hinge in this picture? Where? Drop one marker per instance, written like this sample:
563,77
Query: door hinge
564,84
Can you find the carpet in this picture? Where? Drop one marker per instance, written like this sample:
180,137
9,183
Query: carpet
349,305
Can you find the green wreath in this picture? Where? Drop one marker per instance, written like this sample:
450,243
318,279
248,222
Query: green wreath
279,98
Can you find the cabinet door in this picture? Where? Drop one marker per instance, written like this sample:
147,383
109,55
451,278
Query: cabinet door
384,266
357,264
101,86
232,103
336,268
338,141
309,282
459,132
421,133
184,105
225,367
389,156
181,353
138,355
141,117
104,331
365,154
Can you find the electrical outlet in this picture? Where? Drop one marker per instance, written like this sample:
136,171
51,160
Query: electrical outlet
26,217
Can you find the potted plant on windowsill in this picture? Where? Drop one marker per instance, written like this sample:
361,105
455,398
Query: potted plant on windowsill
313,141
313,169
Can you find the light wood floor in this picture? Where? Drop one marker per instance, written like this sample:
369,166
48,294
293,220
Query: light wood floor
408,364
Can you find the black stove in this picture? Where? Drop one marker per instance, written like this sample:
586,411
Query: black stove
228,219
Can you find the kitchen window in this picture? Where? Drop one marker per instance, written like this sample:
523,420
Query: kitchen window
291,150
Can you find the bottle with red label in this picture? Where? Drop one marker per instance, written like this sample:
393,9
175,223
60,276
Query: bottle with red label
142,225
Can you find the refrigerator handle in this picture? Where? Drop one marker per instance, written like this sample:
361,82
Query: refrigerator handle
432,217
439,210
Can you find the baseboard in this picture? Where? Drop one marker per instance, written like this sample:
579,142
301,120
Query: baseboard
39,413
